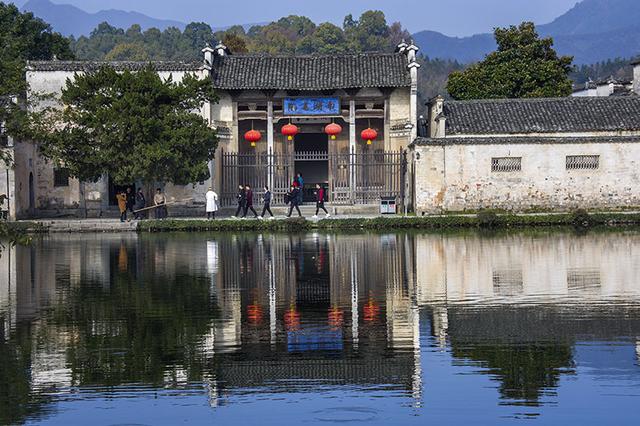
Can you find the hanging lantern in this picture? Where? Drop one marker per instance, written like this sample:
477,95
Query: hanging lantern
289,130
369,135
252,136
333,130
336,318
371,310
292,319
254,314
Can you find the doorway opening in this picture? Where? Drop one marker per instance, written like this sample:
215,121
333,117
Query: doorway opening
312,162
32,195
116,189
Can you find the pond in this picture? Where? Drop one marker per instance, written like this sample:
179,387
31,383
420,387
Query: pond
384,328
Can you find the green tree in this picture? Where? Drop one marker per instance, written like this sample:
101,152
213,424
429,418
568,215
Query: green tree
130,125
128,52
523,66
326,39
22,37
369,33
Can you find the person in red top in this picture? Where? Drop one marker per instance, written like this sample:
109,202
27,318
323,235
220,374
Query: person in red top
320,200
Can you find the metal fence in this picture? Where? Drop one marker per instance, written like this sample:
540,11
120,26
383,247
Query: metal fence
359,178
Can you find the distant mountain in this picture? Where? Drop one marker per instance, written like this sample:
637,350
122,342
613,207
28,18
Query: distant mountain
595,16
70,20
592,31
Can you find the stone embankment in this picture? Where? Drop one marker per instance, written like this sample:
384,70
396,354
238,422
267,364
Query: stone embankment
449,221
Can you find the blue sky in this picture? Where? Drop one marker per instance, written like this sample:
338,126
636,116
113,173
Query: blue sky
452,17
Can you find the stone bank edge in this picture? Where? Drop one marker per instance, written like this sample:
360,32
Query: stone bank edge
481,220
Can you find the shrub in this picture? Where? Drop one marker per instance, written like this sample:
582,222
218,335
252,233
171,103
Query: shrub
580,218
489,219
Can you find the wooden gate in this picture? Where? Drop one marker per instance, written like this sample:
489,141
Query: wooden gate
360,178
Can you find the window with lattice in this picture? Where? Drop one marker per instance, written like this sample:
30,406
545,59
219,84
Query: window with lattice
506,164
60,177
583,162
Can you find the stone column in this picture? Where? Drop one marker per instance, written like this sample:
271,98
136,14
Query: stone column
270,147
352,148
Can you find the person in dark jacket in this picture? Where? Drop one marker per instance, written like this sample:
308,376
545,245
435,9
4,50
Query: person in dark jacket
241,197
294,200
266,199
320,200
141,203
248,202
131,200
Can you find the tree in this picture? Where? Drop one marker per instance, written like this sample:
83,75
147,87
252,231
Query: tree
326,39
127,52
129,125
22,37
523,66
369,33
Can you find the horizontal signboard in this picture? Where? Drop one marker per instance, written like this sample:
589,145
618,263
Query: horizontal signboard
312,106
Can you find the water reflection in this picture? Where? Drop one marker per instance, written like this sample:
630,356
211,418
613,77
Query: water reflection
235,319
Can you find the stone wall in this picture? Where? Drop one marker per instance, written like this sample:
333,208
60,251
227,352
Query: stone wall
459,177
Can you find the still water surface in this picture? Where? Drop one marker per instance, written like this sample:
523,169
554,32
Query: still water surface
539,328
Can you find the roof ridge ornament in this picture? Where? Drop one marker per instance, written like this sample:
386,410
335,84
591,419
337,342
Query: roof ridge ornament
402,46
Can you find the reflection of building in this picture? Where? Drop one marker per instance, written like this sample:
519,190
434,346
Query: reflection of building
302,299
263,313
521,305
513,269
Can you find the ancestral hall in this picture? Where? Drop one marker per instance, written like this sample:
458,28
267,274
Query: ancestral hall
343,121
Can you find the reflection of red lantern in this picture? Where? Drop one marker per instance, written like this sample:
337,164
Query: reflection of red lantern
292,319
289,130
369,135
252,136
336,318
333,130
254,313
371,311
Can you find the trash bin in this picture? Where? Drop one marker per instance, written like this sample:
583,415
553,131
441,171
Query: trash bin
387,205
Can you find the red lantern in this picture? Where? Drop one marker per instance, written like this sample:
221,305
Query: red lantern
289,130
336,318
254,314
292,319
371,311
332,130
252,136
369,135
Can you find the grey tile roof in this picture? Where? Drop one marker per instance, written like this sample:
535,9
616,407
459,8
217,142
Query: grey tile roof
515,140
546,115
311,72
84,66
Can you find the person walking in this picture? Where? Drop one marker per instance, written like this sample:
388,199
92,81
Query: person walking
212,203
320,200
122,205
301,189
141,203
160,201
248,203
241,197
294,200
131,200
266,199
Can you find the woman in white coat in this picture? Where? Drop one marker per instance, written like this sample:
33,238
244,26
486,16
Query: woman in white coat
212,203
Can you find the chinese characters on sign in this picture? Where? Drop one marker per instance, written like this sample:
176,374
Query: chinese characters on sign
311,106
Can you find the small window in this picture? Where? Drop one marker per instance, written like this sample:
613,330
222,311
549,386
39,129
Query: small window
506,164
583,162
4,139
60,177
